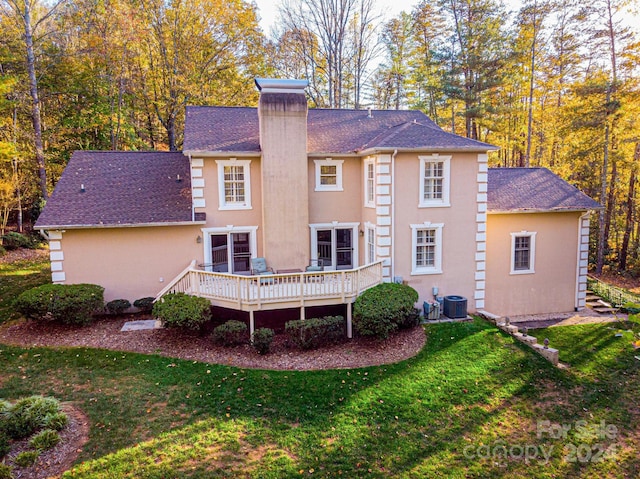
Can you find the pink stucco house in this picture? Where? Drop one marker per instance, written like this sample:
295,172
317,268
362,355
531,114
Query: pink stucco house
362,196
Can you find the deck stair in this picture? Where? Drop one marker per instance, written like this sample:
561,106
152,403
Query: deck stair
597,304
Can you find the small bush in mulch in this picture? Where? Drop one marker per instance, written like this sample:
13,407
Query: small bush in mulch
5,446
62,303
231,333
179,310
26,458
117,306
45,440
29,415
6,472
144,304
385,308
262,339
315,333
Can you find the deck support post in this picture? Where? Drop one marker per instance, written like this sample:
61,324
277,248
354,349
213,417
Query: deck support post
349,323
252,326
302,312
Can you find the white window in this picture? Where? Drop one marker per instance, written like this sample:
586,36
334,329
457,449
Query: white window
370,236
426,248
234,184
328,174
523,252
370,183
434,180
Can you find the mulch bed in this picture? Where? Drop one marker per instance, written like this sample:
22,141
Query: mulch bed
105,333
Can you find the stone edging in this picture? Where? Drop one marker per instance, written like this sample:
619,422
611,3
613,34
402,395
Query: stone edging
550,354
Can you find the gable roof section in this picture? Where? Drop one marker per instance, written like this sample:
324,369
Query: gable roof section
122,188
521,190
236,130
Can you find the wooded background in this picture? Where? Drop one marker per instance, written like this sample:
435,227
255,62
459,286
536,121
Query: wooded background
553,84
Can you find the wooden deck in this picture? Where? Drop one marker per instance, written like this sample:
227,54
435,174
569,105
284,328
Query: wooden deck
277,291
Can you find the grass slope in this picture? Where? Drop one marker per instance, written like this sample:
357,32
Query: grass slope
470,405
445,413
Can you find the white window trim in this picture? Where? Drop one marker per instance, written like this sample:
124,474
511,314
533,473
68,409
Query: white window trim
446,171
420,270
329,162
367,203
222,203
207,232
532,252
369,229
332,226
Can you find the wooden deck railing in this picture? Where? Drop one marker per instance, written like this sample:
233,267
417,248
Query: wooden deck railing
253,292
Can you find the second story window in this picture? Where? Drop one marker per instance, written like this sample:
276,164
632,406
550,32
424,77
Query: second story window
434,180
328,175
234,184
369,183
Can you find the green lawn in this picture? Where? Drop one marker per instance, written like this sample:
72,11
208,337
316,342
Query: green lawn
471,404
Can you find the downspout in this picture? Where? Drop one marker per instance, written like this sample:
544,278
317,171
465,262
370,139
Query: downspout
393,214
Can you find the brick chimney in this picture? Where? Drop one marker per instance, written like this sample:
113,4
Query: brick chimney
282,113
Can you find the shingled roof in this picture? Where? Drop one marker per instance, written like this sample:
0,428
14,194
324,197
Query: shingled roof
121,188
531,190
230,129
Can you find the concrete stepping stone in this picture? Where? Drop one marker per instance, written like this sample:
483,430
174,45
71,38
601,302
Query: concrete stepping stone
141,325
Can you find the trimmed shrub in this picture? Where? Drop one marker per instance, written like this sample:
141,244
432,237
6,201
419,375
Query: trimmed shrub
145,304
13,240
6,472
262,339
118,306
26,458
317,332
62,303
381,310
230,333
28,415
3,251
45,440
5,446
179,310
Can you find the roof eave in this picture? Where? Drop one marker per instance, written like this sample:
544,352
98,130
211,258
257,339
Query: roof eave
459,149
221,154
123,225
542,210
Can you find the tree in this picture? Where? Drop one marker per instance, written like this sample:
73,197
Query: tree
22,12
343,31
196,51
480,54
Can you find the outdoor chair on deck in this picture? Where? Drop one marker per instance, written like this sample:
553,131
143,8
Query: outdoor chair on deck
259,268
315,265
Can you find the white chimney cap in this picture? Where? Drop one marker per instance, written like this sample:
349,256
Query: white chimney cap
277,85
